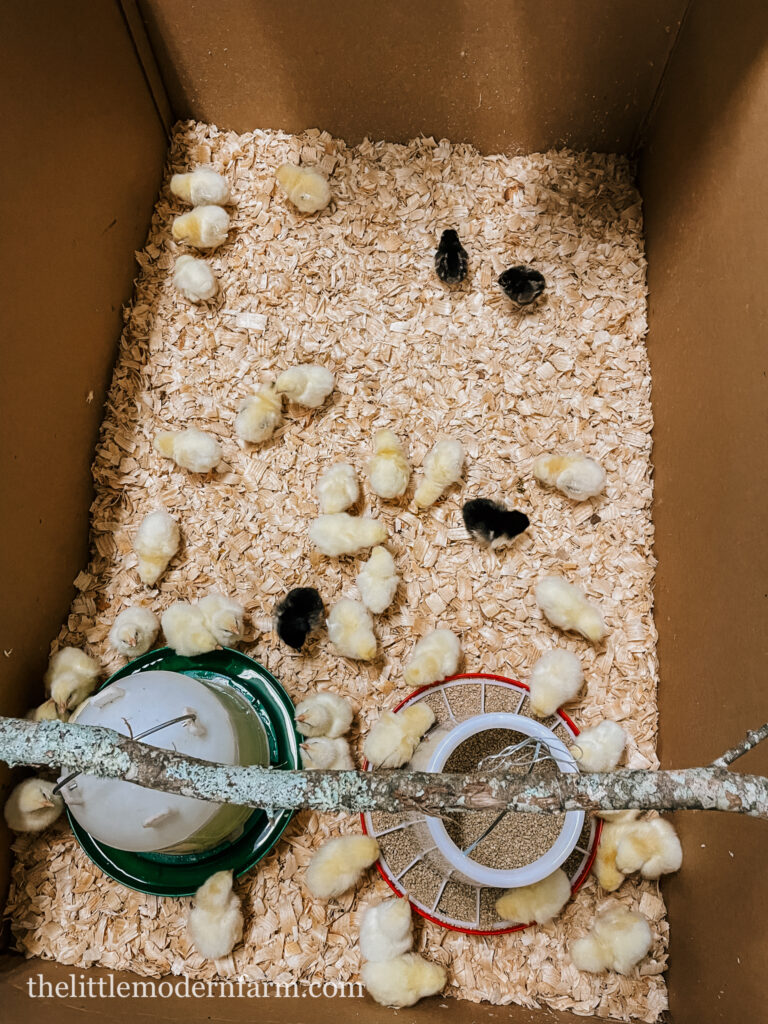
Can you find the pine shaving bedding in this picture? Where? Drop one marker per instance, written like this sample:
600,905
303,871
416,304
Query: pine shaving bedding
354,289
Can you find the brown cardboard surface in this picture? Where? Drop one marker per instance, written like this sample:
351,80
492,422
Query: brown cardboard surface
513,77
703,178
83,158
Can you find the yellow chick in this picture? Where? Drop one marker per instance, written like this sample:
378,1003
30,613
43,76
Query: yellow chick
337,488
388,470
134,631
194,279
215,922
377,580
618,939
539,902
343,534
324,714
224,618
47,712
32,806
70,678
434,657
201,187
604,868
599,749
650,847
306,384
577,476
393,739
350,630
442,467
404,980
339,864
157,541
191,449
555,679
386,930
205,227
567,608
185,630
307,189
323,753
627,815
259,415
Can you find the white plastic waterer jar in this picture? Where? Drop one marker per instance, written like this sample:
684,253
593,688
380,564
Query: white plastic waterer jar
224,729
463,866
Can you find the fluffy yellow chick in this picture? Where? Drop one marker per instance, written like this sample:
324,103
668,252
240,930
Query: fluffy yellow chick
337,488
577,476
191,449
604,868
567,608
306,384
194,279
70,678
343,534
442,467
386,930
215,922
350,630
339,864
307,189
205,227
157,541
404,980
393,739
618,939
47,712
32,806
259,415
134,631
650,847
201,187
323,753
555,679
599,748
434,657
377,580
185,630
324,714
388,470
224,618
539,902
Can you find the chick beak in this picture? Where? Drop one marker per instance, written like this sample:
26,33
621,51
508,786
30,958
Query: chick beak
301,718
61,708
131,641
46,803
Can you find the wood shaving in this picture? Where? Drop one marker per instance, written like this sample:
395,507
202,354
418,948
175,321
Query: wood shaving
353,288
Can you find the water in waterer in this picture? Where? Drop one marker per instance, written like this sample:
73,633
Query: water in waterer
173,711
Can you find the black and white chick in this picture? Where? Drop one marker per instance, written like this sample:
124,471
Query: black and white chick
297,615
491,522
451,260
522,285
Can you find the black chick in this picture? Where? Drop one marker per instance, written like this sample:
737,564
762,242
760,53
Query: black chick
297,615
491,521
451,258
522,284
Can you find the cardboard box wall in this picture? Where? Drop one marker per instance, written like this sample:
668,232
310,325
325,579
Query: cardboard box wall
683,86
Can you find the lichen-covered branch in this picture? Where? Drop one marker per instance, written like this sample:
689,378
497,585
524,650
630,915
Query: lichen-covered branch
751,740
106,753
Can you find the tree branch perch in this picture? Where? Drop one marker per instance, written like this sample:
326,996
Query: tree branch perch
106,753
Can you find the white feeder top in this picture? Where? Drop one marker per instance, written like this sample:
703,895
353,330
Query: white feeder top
130,817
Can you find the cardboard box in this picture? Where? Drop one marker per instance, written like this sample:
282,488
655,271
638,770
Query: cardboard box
92,88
